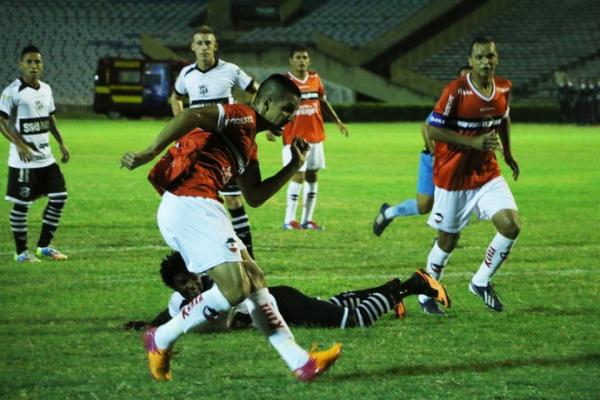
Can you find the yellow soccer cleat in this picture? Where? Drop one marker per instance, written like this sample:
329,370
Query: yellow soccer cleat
318,362
51,253
158,360
434,289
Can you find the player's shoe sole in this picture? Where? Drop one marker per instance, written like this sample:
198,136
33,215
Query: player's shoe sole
159,360
318,362
488,295
381,222
442,296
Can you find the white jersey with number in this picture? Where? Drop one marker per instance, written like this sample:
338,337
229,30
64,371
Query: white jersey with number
213,85
29,109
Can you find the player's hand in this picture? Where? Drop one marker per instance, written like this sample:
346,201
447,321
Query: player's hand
66,156
512,163
299,149
25,152
343,129
270,136
132,160
135,325
487,142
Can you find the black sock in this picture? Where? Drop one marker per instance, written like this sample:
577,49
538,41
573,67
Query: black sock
51,218
241,226
18,225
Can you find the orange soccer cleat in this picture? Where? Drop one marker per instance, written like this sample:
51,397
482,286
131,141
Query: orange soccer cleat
158,359
318,362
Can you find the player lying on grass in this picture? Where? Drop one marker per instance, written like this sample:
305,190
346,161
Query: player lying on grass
357,308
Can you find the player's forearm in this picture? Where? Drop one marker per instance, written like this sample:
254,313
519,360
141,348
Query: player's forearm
330,111
429,144
54,131
504,133
448,136
262,191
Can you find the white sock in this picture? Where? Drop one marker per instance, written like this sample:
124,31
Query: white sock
495,255
270,322
202,309
436,261
293,192
310,201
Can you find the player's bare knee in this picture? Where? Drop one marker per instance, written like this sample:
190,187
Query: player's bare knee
232,280
298,177
447,241
511,230
311,176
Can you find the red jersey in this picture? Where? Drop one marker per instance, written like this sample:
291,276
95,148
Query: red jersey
201,163
465,110
308,120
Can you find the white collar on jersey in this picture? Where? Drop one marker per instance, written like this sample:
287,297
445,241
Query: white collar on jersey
478,93
299,80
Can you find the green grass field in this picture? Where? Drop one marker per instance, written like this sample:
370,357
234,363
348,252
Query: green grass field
60,323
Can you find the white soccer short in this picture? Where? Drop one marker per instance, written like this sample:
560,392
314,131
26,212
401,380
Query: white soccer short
452,209
200,229
315,158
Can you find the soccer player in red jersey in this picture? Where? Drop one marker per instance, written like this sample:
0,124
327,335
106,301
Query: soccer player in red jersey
308,125
469,122
214,145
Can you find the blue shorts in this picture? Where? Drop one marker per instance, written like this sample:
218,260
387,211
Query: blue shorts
425,182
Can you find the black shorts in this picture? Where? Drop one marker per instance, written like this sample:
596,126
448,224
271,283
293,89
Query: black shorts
232,189
27,184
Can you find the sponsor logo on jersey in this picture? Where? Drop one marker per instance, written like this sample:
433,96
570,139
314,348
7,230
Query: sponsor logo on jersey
484,109
465,92
32,126
239,121
231,245
306,110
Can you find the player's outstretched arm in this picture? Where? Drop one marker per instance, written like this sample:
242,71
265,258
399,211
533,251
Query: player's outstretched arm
256,191
205,118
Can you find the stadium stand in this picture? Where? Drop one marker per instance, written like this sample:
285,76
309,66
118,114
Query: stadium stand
353,23
76,34
533,41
